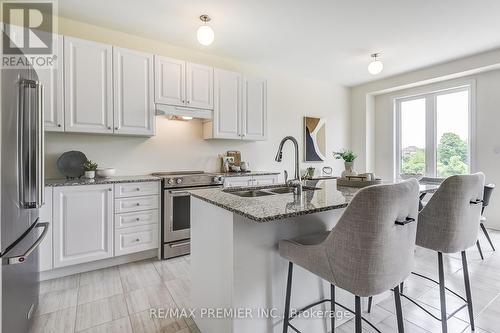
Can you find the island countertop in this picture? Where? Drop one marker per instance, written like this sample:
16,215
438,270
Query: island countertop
268,208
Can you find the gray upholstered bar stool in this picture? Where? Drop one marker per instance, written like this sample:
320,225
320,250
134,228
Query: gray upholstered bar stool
488,189
449,223
369,251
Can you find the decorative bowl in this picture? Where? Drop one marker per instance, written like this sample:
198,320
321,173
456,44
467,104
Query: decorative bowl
106,172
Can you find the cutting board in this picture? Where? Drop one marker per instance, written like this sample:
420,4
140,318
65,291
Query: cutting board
236,155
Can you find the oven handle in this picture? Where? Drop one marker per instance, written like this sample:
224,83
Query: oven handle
174,245
183,192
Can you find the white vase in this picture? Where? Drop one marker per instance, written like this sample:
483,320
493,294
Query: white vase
349,169
90,174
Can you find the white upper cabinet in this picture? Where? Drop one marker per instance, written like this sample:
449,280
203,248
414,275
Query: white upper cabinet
88,86
52,81
227,105
170,87
83,224
133,106
182,83
199,86
254,111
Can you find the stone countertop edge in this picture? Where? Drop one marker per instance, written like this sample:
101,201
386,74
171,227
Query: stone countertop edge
269,218
100,181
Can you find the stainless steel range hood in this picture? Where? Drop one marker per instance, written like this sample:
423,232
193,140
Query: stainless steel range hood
182,112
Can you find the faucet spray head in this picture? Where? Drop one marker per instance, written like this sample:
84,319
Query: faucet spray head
279,156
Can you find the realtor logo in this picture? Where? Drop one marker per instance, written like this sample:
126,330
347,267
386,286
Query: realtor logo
28,27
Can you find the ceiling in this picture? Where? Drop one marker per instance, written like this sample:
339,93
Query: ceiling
328,39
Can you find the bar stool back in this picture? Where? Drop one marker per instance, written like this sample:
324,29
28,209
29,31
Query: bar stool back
369,251
449,223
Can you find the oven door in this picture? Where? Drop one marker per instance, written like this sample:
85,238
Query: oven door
177,217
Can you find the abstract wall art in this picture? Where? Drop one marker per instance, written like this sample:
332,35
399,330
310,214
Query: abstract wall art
314,139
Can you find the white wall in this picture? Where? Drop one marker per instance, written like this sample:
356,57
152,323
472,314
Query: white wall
179,145
375,140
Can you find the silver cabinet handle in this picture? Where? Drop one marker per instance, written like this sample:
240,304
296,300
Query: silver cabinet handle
22,258
109,127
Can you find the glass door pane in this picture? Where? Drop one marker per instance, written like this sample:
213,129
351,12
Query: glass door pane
412,136
452,131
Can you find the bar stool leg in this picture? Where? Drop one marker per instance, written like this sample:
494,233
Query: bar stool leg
287,299
332,306
442,294
479,249
487,235
358,315
370,301
399,311
467,289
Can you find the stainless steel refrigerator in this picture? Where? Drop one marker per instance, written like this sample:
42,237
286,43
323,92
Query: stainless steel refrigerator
22,186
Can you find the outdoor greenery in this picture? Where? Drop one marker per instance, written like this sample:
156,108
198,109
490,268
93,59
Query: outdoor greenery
346,155
451,157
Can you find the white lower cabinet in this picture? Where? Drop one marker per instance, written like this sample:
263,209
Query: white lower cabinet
257,180
135,239
83,224
94,222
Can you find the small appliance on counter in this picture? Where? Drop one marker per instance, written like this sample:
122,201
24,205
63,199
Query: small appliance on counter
361,180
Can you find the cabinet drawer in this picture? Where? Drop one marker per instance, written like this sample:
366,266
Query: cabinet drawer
136,239
134,219
124,190
136,204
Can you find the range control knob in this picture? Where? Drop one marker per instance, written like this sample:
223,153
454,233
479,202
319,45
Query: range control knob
217,179
170,181
178,180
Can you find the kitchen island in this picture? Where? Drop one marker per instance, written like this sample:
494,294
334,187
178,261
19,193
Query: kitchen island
235,261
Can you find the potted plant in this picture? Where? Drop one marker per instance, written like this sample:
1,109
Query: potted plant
348,156
90,168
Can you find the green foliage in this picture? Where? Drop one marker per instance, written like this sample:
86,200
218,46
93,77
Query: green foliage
452,157
414,162
90,166
345,154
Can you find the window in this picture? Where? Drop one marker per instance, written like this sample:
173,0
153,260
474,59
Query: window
433,133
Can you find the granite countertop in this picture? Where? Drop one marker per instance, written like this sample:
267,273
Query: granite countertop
249,173
100,181
268,208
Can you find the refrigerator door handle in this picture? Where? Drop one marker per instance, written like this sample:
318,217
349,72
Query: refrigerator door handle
31,146
40,135
22,258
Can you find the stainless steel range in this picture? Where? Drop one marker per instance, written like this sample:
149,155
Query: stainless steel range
176,215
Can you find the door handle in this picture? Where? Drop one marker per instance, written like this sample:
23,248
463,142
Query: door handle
22,258
31,167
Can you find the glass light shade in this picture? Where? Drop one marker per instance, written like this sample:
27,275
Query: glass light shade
205,35
375,67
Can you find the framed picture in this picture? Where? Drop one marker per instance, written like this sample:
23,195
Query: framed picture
314,139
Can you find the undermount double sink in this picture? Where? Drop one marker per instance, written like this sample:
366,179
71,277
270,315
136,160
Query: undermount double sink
268,191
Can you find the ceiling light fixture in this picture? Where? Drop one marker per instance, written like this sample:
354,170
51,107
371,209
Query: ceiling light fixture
205,33
376,66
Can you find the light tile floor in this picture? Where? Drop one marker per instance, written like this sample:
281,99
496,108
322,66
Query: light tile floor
118,299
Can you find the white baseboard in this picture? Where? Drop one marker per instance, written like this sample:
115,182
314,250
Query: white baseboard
90,266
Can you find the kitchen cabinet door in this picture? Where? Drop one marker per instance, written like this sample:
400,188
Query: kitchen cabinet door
199,86
170,81
264,180
52,81
87,86
238,181
83,224
254,111
134,112
227,105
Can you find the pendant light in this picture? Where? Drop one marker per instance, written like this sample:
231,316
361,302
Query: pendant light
376,66
205,33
